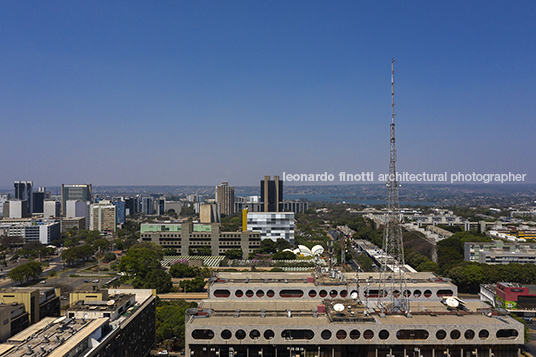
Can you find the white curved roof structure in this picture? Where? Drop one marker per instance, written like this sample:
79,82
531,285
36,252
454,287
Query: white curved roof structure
317,250
306,252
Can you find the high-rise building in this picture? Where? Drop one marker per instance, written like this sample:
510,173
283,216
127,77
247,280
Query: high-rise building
4,197
209,213
75,193
272,194
147,205
225,197
39,197
51,208
78,209
16,209
103,216
120,210
23,191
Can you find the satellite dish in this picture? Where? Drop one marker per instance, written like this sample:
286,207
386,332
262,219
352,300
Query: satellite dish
353,295
338,307
110,303
452,302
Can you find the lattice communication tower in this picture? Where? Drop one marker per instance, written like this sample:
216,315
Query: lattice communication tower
393,293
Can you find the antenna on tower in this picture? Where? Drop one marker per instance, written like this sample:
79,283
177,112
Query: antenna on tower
393,293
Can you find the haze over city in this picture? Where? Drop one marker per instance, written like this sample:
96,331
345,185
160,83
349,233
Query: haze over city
194,93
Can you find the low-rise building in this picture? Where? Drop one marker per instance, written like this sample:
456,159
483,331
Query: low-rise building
183,236
499,252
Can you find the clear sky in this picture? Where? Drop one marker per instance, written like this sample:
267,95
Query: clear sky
198,92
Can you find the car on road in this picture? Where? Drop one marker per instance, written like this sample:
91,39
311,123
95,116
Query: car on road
42,282
95,281
87,281
528,320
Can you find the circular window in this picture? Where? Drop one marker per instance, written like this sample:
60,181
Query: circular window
239,293
260,293
396,293
326,334
323,293
333,294
312,293
249,293
469,334
354,334
383,335
368,335
240,334
270,293
483,334
254,334
226,334
343,293
269,334
407,293
354,293
341,335
441,334
427,294
417,293
455,334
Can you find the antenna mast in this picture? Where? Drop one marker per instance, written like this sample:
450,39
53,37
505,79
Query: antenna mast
393,293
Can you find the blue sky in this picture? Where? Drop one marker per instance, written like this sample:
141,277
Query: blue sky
198,92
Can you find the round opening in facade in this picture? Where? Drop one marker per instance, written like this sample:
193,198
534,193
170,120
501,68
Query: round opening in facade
254,334
222,293
249,293
343,293
427,294
341,335
333,294
270,293
226,334
441,334
355,334
368,335
239,293
326,334
383,335
469,334
455,334
269,334
312,293
323,293
260,293
417,293
240,334
203,334
483,334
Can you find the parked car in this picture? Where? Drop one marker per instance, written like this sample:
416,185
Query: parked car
42,282
95,281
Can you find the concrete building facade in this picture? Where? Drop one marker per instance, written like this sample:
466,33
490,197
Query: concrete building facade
272,225
182,236
225,197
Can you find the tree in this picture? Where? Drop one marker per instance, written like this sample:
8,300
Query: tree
140,259
284,256
183,271
234,254
101,243
30,270
76,254
170,319
155,279
196,284
11,242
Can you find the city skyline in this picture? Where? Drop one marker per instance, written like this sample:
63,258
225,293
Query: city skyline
186,93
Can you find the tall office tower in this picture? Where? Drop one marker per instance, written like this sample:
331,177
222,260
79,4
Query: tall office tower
39,200
16,209
147,205
103,216
209,213
225,197
160,206
4,197
272,194
23,191
120,210
74,193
